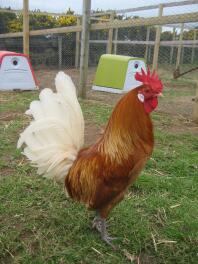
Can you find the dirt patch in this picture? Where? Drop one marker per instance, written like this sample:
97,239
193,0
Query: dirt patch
176,124
144,259
46,77
184,129
8,116
183,125
104,97
179,108
92,133
6,172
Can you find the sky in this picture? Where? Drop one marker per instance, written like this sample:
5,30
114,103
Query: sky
59,6
76,5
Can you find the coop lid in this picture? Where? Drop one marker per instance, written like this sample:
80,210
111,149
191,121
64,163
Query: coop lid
111,70
4,53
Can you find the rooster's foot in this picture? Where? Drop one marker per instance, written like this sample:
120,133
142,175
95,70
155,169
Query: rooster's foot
101,226
108,239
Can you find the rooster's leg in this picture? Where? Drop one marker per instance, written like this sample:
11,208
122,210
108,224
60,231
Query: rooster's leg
96,222
99,222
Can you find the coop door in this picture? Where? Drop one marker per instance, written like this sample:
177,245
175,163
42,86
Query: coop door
133,67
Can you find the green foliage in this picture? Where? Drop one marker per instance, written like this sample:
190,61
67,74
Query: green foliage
41,21
167,35
189,35
10,22
16,25
63,21
5,20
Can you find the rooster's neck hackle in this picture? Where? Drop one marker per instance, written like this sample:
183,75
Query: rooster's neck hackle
129,128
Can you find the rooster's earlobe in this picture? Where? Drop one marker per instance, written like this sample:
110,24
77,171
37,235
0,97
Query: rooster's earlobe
141,97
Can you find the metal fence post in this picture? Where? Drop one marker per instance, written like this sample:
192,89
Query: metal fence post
84,51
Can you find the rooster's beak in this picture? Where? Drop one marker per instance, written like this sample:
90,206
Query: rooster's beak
160,94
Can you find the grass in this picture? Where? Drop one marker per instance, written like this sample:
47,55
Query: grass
156,223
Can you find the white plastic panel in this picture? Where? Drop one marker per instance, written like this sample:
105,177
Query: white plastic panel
15,73
107,89
133,67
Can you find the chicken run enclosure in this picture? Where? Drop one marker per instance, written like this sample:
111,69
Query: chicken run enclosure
163,34
156,222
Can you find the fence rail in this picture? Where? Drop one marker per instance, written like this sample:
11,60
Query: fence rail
189,17
110,33
188,43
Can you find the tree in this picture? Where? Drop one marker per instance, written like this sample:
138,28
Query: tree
5,20
38,21
166,35
63,21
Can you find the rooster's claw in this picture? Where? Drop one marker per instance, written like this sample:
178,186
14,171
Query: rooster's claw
101,226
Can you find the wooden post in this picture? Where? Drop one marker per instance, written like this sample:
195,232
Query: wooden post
180,46
110,37
172,48
182,55
157,40
26,27
60,45
84,51
193,48
115,43
147,45
77,45
195,110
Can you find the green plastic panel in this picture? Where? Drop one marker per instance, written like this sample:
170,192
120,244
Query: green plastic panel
111,71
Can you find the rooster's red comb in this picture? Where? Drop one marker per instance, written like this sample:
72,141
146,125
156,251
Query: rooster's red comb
150,79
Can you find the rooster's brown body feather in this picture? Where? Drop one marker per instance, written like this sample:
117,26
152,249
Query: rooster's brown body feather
102,173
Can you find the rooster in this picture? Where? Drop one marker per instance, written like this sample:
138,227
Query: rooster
99,175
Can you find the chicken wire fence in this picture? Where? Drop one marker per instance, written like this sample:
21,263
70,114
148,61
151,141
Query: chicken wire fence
59,50
126,39
46,51
52,51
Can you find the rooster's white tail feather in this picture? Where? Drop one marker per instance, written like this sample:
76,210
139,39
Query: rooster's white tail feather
56,133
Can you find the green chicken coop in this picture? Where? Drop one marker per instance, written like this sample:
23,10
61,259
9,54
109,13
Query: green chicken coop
116,74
